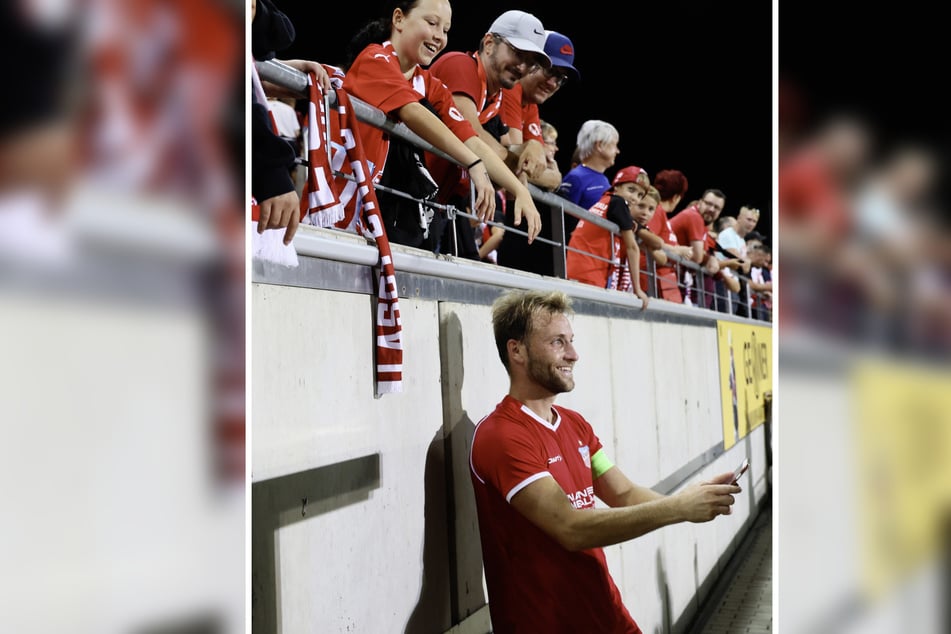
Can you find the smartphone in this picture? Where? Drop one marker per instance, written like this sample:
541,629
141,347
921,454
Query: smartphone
741,470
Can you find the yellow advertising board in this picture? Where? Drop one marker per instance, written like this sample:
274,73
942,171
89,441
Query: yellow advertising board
746,377
903,425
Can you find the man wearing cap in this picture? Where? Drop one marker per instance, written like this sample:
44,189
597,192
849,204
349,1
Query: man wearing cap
520,103
629,186
519,114
511,48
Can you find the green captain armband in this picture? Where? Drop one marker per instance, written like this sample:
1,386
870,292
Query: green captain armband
600,464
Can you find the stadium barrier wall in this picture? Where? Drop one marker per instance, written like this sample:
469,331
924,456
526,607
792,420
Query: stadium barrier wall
363,518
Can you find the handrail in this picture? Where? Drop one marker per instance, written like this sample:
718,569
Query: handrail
295,81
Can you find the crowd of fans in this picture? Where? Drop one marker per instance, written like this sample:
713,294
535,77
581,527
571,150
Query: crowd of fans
480,108
864,241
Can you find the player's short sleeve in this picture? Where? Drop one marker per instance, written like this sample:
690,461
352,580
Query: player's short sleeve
507,458
588,433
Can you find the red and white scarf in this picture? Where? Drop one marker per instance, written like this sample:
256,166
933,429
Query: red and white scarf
320,202
329,198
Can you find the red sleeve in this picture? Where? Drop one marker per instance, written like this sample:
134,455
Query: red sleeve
807,193
659,225
677,226
375,78
531,123
688,227
458,72
585,430
511,111
506,457
657,222
441,99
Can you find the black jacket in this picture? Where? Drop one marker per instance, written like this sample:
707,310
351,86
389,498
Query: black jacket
272,158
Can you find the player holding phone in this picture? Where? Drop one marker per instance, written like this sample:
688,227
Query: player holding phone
741,470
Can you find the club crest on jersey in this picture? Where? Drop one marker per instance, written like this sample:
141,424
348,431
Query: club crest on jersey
585,455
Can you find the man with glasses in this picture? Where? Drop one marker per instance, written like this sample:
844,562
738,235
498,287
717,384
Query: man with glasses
690,227
512,48
520,103
520,115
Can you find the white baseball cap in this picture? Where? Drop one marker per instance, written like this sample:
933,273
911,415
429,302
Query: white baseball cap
522,30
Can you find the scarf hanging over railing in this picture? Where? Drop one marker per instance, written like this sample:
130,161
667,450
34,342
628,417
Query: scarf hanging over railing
344,178
321,204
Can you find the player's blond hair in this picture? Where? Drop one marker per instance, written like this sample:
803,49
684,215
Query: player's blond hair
513,315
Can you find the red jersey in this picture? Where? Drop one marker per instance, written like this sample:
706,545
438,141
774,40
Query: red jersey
521,116
375,77
462,73
535,584
810,192
688,227
666,280
593,239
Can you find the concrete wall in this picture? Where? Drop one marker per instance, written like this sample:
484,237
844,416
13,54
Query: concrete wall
116,517
363,517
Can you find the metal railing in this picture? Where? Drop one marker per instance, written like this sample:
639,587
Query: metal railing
294,80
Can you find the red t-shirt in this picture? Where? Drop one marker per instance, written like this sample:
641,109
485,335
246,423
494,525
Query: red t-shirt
521,116
688,226
375,77
591,238
534,584
810,192
462,73
666,281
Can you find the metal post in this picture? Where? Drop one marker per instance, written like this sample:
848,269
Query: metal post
560,254
651,273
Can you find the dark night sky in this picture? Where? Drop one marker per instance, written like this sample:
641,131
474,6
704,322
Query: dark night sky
689,85
888,71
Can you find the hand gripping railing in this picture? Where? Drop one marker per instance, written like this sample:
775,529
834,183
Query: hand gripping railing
295,81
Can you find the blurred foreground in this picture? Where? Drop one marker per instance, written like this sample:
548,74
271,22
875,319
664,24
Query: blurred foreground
122,317
864,397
